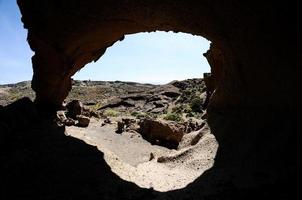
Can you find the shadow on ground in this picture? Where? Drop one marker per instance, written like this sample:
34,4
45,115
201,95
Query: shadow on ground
39,162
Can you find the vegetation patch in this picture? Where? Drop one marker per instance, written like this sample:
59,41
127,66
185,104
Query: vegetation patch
196,104
111,113
173,117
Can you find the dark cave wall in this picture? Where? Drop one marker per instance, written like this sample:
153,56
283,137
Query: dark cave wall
66,35
255,62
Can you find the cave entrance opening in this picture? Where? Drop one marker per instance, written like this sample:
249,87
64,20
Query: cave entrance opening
146,103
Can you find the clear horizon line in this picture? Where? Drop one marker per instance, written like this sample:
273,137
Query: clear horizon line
134,81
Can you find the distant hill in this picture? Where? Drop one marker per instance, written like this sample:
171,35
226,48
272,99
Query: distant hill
121,96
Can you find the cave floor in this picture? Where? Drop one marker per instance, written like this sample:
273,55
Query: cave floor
129,156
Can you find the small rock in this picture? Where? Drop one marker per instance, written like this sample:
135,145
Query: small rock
132,128
86,111
107,121
83,121
192,125
128,121
61,116
151,156
69,122
120,127
94,114
161,159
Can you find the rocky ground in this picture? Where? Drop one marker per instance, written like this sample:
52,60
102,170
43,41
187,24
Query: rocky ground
155,136
126,97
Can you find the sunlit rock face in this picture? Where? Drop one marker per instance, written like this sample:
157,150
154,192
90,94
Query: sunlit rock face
255,59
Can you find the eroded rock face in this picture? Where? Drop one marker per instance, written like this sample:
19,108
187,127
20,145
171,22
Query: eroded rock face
66,42
161,133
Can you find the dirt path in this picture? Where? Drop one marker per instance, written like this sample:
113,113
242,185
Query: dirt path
128,155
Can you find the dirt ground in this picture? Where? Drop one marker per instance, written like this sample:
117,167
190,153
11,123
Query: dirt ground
129,156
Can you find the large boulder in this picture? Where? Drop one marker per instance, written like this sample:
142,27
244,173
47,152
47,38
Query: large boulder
120,127
161,133
83,121
74,108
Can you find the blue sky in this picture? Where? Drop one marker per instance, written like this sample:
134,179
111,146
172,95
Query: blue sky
157,57
15,54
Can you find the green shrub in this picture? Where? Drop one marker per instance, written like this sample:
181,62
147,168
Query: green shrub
111,113
190,114
177,109
135,113
188,92
173,117
97,106
139,115
181,108
187,108
196,104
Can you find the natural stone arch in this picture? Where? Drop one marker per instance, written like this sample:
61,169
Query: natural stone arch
65,35
82,35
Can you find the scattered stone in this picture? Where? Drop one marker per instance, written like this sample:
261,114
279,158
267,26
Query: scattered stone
151,156
86,111
69,122
133,127
161,159
192,125
129,125
107,120
63,120
61,116
120,127
94,114
83,121
128,121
